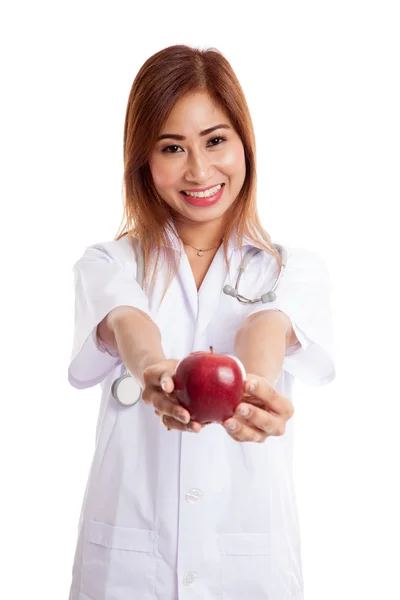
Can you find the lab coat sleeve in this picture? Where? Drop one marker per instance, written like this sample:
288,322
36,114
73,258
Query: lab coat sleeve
304,295
102,282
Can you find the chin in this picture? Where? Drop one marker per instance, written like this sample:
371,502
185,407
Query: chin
207,212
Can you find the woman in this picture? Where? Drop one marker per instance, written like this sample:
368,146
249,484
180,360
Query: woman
168,515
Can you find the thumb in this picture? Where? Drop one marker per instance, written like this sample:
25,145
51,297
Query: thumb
166,382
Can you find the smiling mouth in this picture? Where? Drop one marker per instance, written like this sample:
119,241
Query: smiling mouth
201,201
204,194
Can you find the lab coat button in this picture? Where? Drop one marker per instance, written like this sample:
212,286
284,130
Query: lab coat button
193,495
189,578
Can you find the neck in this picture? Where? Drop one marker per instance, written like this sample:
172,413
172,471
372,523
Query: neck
200,235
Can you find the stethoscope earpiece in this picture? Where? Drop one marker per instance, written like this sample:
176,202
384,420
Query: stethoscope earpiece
267,296
230,291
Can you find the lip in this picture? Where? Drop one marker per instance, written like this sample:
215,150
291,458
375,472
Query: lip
204,201
202,189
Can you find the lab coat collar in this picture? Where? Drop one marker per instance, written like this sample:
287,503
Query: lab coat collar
174,242
246,241
204,302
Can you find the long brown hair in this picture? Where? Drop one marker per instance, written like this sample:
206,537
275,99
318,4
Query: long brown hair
165,78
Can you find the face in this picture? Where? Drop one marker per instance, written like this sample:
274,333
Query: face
189,159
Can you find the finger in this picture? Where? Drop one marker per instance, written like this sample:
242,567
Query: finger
165,405
250,383
263,393
192,426
153,375
167,383
241,432
150,390
196,425
259,418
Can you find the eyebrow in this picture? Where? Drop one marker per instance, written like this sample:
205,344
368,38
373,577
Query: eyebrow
175,136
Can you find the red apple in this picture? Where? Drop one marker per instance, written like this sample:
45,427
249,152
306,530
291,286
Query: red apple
209,385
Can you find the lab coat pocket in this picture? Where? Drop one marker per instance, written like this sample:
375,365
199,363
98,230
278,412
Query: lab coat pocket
250,570
117,562
244,565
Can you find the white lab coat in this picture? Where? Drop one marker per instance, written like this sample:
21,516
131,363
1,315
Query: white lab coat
170,515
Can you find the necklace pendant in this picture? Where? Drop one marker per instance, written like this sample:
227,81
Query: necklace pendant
200,253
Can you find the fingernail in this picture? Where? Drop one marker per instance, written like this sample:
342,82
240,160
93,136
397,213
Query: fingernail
243,411
182,418
252,386
231,425
164,384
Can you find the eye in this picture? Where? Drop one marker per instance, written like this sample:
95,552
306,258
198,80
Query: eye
217,138
166,150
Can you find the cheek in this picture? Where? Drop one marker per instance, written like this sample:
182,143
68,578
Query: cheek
163,175
163,178
158,178
234,160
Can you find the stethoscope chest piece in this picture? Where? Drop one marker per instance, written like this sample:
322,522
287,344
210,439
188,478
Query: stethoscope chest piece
126,391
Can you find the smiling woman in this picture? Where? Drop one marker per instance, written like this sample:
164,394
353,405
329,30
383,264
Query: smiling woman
215,508
216,164
193,133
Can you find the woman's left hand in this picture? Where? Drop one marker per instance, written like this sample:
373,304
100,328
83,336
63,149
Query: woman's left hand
267,412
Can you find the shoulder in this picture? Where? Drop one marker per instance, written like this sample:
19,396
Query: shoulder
300,261
305,267
122,251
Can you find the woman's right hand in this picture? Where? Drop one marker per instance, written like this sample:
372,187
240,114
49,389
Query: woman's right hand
158,391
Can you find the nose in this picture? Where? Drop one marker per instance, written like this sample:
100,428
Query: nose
198,167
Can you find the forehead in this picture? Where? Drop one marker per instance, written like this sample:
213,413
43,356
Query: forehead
194,112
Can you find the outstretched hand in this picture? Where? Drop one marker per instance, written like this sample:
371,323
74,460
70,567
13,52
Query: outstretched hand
263,412
159,391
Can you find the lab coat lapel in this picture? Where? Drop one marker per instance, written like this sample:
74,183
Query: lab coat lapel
189,285
204,303
210,291
184,275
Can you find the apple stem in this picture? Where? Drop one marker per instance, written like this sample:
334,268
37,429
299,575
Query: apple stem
211,350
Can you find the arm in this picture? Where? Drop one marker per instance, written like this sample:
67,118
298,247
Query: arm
261,342
136,337
138,340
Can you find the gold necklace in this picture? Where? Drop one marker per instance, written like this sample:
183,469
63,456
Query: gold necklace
200,251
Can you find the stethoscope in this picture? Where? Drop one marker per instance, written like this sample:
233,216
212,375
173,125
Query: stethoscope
125,390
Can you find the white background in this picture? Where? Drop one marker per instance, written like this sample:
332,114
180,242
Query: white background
322,83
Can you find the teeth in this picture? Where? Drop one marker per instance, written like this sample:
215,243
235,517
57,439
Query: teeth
206,194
